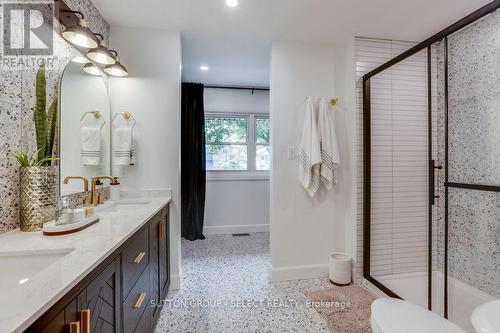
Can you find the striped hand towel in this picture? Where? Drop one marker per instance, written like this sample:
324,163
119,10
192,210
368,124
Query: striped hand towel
90,140
123,149
310,151
329,149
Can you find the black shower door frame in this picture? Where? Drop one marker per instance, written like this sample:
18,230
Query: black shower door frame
426,44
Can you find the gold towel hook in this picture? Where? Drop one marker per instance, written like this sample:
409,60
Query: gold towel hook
333,101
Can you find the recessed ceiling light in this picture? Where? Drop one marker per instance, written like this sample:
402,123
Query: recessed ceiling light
232,3
204,68
23,281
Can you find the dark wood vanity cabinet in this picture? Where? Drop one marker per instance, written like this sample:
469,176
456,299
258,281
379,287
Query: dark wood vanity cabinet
123,294
159,262
100,298
91,308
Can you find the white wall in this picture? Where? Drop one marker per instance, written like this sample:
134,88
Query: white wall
232,205
303,230
232,100
152,94
345,90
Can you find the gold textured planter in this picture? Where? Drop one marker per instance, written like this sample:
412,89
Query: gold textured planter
38,196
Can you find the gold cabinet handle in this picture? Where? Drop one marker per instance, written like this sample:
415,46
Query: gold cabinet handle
85,320
139,301
162,229
139,257
74,327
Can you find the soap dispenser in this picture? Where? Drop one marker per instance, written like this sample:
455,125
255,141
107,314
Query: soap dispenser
67,215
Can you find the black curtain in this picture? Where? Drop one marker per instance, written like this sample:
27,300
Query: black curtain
193,173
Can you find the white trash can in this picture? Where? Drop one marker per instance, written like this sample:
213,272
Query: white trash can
340,269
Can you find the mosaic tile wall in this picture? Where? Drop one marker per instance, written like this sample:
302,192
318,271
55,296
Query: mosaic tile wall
474,154
474,104
17,101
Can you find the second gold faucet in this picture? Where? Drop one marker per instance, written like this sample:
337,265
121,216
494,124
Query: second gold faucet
97,181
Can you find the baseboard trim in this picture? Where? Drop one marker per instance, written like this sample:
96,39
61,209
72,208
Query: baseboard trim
175,282
234,229
299,272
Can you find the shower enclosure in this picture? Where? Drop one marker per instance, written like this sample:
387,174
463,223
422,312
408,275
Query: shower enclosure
431,170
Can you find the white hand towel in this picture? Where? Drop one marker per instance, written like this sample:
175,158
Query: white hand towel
310,151
122,145
90,138
330,158
133,155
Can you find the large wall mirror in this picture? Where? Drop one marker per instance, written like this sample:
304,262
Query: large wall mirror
85,130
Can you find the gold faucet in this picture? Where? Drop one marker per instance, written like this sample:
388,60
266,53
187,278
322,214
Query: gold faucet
84,179
95,182
85,185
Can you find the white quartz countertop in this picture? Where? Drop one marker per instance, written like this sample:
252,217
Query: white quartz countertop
21,305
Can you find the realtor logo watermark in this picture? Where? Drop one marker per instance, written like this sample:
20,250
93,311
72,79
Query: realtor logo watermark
28,37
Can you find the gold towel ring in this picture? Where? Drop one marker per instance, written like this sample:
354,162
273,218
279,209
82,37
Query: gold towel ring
97,115
127,116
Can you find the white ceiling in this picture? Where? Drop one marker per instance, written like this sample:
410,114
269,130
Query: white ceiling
235,42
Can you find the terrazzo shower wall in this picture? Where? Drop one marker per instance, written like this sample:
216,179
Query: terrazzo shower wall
474,153
17,100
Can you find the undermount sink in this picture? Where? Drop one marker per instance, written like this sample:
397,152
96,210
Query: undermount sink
115,206
19,267
133,202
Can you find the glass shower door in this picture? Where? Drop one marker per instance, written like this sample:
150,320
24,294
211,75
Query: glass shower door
399,236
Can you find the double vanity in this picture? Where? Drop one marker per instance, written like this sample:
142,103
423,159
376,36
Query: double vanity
99,265
110,277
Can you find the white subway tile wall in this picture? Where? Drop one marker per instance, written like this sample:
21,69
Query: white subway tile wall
399,226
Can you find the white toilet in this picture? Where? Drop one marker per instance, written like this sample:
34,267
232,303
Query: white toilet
486,317
392,315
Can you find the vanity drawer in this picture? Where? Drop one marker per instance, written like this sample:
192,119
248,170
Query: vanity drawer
135,258
135,304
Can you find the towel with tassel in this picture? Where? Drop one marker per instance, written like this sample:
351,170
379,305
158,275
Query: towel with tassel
90,138
329,149
310,151
123,146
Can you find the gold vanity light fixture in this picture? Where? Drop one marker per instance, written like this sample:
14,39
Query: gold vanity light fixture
90,68
80,60
79,34
116,69
101,54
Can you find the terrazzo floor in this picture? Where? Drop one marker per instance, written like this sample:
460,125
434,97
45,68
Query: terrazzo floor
226,287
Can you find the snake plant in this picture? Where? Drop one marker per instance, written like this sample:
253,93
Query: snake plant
45,126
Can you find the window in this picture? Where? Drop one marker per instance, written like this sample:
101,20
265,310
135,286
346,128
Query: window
237,142
226,140
263,151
